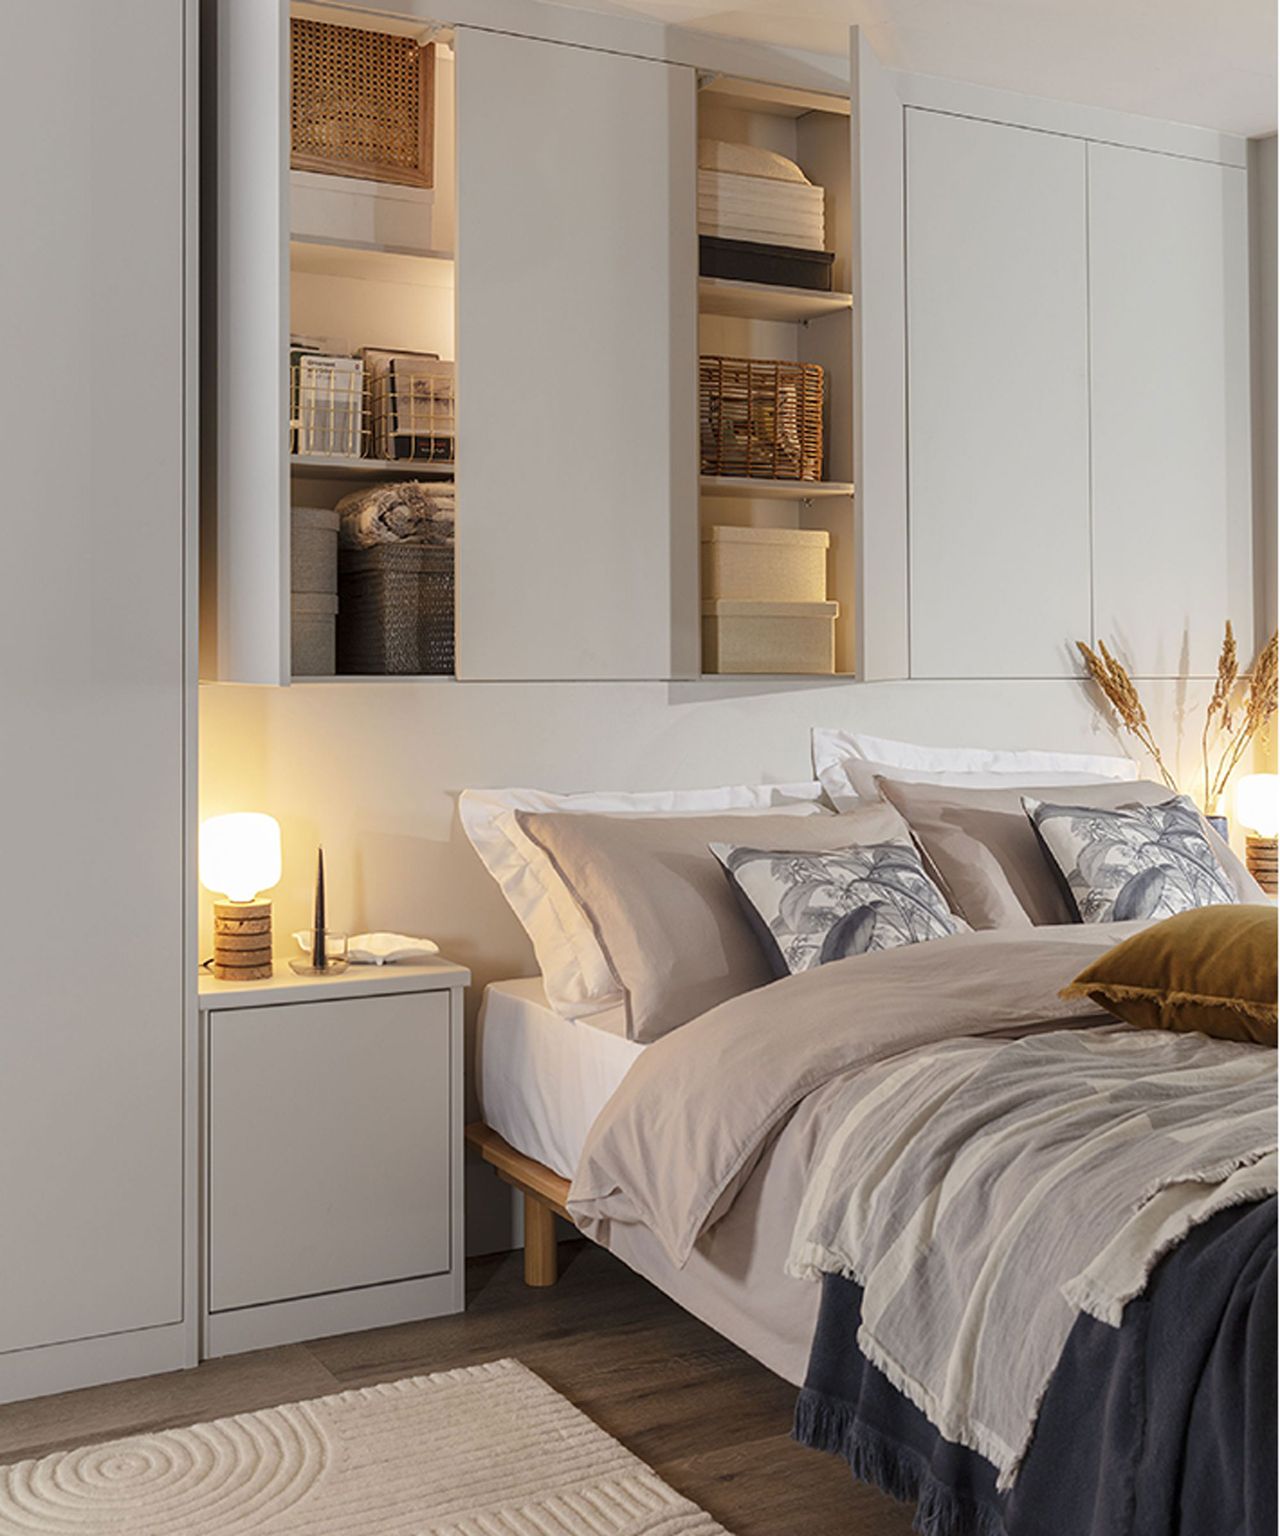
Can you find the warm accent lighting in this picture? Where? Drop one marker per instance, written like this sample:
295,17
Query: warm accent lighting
1258,803
1258,812
240,856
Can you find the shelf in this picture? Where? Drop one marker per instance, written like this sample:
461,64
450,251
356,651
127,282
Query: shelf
377,263
778,677
379,677
315,466
772,490
777,100
764,301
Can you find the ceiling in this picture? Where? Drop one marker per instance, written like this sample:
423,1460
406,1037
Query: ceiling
1210,62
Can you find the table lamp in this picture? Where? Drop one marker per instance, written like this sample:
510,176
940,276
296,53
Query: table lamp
1258,812
240,856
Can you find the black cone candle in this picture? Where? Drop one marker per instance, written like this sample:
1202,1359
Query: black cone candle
319,944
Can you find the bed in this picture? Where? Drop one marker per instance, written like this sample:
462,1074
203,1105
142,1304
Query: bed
1122,1420
838,1091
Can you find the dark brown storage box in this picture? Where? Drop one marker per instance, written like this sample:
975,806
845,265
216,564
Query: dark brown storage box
743,261
395,613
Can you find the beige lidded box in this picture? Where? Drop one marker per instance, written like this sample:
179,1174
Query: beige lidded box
767,565
740,636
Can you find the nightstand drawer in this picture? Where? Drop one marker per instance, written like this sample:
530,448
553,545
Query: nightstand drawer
329,1146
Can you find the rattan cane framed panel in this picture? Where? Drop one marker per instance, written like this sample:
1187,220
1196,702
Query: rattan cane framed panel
362,103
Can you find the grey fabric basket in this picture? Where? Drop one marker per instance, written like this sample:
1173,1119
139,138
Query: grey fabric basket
396,610
313,550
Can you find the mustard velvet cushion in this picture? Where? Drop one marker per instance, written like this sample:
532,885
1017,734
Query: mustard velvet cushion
1212,969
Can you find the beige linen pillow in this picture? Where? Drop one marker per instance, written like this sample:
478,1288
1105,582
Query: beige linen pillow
666,917
983,850
575,974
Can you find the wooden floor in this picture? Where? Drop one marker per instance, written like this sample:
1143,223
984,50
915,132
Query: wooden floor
705,1416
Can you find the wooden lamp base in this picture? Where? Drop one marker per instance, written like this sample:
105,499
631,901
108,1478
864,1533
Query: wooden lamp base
1260,856
242,940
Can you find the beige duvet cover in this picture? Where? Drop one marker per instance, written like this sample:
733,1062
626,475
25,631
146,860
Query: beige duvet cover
743,1087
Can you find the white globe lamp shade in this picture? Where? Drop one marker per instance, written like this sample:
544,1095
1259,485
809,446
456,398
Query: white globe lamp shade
240,854
1258,803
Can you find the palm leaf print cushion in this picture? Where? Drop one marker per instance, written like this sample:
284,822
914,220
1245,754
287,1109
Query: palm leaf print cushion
809,908
1137,861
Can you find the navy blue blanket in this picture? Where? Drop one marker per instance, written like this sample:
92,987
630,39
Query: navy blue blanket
1165,1426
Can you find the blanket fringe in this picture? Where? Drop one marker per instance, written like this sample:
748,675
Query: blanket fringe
824,1424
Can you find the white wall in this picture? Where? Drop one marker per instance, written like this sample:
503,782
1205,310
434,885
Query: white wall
1262,224
373,769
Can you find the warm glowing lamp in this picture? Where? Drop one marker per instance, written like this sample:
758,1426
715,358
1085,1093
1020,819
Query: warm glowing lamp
239,857
1258,812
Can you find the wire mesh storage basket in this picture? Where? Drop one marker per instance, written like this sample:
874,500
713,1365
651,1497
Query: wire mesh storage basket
361,103
761,419
395,610
411,405
326,405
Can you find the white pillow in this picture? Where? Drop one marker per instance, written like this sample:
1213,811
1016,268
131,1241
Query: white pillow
848,763
578,978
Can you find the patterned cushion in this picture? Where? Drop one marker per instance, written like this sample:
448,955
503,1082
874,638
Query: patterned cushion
808,908
1131,862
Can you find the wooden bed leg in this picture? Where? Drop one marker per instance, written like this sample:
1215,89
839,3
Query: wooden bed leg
541,1265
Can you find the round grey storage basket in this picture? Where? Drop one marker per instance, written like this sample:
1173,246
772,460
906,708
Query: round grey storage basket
396,610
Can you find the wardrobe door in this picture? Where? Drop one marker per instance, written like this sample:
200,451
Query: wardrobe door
577,351
998,398
96,435
1169,289
244,556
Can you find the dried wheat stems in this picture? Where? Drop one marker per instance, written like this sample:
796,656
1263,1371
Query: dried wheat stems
1118,689
1239,708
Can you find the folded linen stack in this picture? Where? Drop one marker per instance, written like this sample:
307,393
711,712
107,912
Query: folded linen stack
411,512
746,193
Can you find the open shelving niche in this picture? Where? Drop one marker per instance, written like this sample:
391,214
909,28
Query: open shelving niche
371,264
737,319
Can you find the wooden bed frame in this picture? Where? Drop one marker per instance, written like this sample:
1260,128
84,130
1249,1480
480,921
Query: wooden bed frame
545,1194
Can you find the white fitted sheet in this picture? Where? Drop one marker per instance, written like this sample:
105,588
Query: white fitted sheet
542,1079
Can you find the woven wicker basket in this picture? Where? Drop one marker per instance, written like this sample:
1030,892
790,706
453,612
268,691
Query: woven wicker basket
760,419
395,612
362,103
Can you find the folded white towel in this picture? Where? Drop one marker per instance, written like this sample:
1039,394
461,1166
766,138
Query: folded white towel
761,220
725,231
790,192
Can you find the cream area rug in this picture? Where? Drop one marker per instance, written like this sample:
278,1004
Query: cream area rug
488,1451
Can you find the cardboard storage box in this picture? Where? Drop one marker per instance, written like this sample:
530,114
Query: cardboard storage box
765,565
777,638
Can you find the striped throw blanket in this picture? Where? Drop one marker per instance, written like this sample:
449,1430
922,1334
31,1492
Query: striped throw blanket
983,1194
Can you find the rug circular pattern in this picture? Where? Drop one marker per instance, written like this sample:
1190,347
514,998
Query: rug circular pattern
467,1452
237,1472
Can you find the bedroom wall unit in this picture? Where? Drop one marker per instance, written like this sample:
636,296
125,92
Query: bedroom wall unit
1065,292
1032,386
97,693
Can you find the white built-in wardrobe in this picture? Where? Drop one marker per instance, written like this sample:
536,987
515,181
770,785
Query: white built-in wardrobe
97,432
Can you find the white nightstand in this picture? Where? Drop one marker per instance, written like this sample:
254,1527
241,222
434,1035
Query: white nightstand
332,1152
